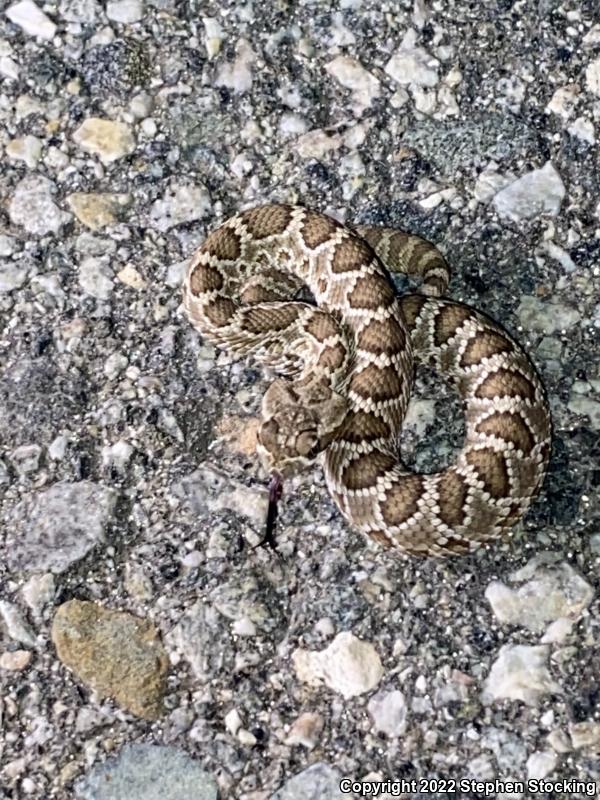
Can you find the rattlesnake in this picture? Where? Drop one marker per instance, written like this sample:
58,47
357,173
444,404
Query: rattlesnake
346,368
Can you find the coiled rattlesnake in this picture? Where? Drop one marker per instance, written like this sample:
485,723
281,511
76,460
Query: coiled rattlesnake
347,372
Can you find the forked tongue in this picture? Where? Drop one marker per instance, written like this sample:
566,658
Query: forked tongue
275,492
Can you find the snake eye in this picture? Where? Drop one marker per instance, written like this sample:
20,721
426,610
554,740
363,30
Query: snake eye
307,444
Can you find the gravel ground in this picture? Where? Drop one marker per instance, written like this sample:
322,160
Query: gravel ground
146,648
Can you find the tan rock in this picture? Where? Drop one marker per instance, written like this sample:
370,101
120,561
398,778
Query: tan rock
15,660
131,277
27,149
97,211
105,138
306,730
117,654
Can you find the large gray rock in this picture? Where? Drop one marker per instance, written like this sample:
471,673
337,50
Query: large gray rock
54,528
149,772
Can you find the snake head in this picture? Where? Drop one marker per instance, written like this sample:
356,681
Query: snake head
288,441
294,428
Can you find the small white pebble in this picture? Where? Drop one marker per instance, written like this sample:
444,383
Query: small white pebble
246,738
233,721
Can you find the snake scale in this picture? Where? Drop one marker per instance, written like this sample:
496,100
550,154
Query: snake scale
345,371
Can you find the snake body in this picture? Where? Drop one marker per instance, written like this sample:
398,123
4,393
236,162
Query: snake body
346,370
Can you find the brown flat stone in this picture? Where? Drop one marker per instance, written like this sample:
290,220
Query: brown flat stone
117,654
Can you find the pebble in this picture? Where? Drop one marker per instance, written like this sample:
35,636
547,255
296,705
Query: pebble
489,183
306,730
447,103
388,711
13,274
15,660
97,211
181,203
233,721
131,277
587,407
292,124
435,199
115,364
246,738
117,455
592,77
564,100
583,129
559,741
558,254
585,735
508,748
425,100
27,149
125,11
55,527
14,768
141,105
592,37
558,631
548,592
325,627
244,627
541,764
26,106
32,206
38,591
117,654
148,771
241,165
105,138
317,782
9,69
317,144
16,627
31,19
237,74
540,191
213,36
351,74
96,277
546,317
348,665
412,65
520,672
7,245
481,768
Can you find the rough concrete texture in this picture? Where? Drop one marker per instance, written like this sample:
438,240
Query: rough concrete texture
130,129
